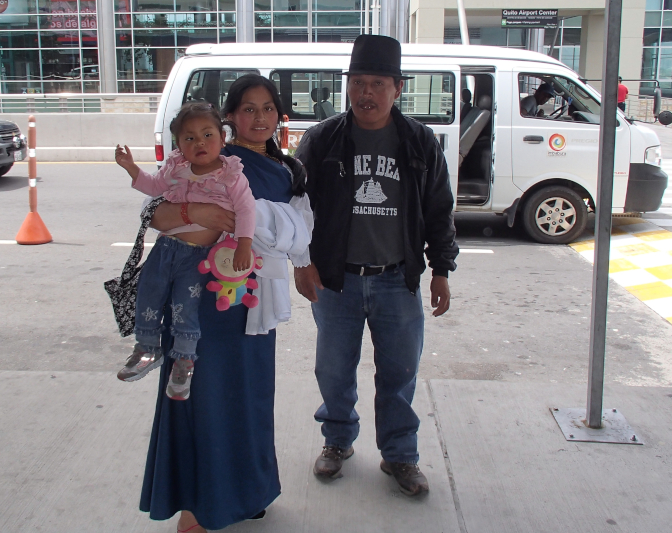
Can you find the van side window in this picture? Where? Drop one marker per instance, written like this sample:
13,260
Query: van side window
556,98
429,98
212,86
309,95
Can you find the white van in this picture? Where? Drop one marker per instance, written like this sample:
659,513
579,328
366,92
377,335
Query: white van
541,167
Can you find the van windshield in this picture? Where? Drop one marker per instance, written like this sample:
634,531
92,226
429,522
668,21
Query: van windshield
581,99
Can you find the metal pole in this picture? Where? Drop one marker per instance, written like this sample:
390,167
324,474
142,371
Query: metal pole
462,18
555,38
605,188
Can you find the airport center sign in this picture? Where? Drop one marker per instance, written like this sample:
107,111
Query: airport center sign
529,18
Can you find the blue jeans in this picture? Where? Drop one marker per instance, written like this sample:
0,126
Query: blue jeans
396,321
170,275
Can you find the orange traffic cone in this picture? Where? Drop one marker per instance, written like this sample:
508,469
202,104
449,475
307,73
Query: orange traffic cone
33,230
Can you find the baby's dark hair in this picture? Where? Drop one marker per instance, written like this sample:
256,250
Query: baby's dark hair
198,109
234,100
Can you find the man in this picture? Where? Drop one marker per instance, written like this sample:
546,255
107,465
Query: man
465,103
379,189
529,106
622,94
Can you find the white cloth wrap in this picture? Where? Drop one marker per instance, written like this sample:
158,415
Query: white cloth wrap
282,230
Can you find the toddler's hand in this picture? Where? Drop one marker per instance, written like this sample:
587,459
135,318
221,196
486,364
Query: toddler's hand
241,257
123,159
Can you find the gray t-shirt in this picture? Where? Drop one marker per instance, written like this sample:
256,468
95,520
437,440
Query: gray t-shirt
529,104
376,236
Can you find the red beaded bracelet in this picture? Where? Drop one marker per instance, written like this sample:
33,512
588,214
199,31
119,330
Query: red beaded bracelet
185,216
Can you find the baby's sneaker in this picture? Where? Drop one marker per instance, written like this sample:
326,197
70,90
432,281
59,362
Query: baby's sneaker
179,382
138,364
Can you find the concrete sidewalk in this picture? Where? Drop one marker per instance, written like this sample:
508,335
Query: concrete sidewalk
72,460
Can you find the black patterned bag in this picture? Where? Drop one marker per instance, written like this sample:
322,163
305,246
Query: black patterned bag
123,290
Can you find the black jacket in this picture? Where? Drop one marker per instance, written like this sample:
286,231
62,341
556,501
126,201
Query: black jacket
327,151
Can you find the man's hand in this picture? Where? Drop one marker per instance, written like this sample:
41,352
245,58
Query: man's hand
306,279
212,216
440,294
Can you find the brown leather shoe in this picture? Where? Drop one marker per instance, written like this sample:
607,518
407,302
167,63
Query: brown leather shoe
411,481
330,461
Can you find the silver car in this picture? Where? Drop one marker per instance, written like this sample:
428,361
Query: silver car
13,145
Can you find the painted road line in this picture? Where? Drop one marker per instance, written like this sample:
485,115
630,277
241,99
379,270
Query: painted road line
640,260
476,251
130,244
7,242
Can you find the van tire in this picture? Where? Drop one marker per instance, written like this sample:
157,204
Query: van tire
5,168
555,215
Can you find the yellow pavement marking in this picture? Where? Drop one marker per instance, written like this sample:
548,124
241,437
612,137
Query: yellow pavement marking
643,238
621,265
635,249
661,272
650,291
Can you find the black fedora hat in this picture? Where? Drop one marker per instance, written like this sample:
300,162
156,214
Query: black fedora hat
378,55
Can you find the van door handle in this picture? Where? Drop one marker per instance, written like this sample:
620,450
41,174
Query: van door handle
533,139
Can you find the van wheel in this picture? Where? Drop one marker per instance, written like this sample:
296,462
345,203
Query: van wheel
555,215
5,168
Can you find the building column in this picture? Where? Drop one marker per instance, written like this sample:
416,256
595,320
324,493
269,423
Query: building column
632,29
592,47
107,61
393,15
426,22
245,21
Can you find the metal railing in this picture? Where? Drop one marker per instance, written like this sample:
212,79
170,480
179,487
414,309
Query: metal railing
80,103
640,107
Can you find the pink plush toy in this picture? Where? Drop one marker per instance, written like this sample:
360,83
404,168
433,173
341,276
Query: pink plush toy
231,285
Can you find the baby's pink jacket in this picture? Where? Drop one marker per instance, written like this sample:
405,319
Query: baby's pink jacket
226,187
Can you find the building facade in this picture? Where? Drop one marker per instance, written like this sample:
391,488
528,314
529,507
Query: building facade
128,46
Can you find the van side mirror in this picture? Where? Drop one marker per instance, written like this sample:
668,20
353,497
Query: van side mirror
665,118
657,100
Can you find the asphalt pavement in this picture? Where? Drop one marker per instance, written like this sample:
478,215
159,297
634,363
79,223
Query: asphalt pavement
513,346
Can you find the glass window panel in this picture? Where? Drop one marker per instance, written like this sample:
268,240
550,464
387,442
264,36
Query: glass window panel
227,5
122,6
574,22
651,37
154,5
429,98
335,35
196,5
125,64
312,95
262,36
59,39
149,86
516,37
227,20
665,69
290,5
8,22
154,38
91,86
90,39
123,39
89,57
58,6
337,5
653,5
569,55
490,36
19,7
196,20
262,20
666,37
122,21
667,18
338,19
213,85
152,20
262,5
652,19
62,86
18,39
290,19
189,37
287,35
20,65
649,63
571,36
227,35
87,6
667,5
58,65
13,87
125,86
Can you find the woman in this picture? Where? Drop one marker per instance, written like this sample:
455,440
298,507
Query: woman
212,457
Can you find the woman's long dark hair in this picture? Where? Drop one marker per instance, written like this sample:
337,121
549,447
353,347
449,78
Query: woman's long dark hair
233,102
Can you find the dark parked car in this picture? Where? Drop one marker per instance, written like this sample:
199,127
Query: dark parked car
13,146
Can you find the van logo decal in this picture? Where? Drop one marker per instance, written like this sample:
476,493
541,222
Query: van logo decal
557,142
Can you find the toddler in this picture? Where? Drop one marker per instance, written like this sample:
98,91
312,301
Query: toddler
195,172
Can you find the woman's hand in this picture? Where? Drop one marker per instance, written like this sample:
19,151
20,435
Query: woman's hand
212,216
168,216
